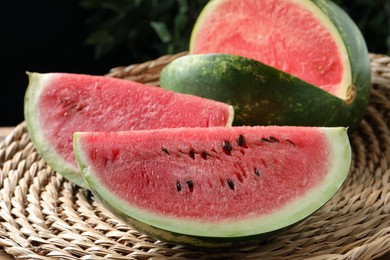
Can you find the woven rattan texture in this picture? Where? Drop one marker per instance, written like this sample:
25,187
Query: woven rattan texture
42,216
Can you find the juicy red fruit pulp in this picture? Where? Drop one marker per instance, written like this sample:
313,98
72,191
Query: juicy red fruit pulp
213,176
282,34
72,102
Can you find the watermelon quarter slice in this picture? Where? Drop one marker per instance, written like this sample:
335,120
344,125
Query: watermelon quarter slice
59,104
297,37
214,186
300,46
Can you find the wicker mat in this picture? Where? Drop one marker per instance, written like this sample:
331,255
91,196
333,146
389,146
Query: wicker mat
43,216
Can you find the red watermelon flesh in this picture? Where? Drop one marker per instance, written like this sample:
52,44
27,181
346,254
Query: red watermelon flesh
142,168
59,104
215,175
293,36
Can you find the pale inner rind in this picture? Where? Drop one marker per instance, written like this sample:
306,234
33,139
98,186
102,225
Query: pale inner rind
37,84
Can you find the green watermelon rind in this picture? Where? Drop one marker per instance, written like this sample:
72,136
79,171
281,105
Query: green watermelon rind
226,233
36,133
260,94
357,52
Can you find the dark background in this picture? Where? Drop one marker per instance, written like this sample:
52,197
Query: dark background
50,36
42,36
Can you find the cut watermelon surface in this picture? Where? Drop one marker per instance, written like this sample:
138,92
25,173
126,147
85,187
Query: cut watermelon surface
59,104
214,186
278,62
297,37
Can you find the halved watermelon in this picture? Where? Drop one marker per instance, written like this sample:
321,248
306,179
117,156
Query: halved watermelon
59,104
214,186
311,40
260,94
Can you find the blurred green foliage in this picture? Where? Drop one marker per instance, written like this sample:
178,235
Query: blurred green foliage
146,29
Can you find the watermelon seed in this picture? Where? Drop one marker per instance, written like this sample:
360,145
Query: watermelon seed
240,177
241,140
257,172
271,139
290,142
165,150
227,147
115,154
204,155
178,186
231,184
190,185
263,162
265,140
192,154
222,182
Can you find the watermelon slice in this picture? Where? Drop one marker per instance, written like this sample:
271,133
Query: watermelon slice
294,36
310,41
303,38
214,186
59,104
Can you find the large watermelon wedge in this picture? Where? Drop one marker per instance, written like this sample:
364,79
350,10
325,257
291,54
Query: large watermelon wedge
214,186
59,104
312,40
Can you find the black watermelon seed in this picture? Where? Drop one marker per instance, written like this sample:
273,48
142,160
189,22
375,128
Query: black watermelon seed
241,140
227,147
257,172
192,154
190,185
165,150
265,140
290,142
204,154
231,184
273,139
178,186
